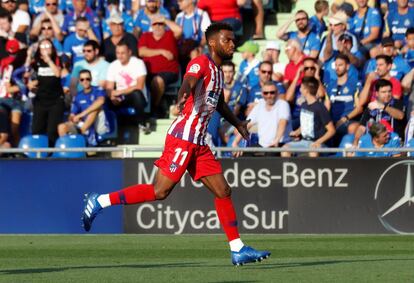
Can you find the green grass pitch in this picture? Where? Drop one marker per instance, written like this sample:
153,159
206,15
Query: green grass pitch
204,258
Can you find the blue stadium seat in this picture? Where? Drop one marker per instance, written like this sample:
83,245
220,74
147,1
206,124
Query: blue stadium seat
113,128
70,141
34,141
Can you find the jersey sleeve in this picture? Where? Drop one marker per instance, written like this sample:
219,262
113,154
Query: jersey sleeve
197,67
375,19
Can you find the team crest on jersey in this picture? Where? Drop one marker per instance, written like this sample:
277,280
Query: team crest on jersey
173,167
195,68
407,23
346,90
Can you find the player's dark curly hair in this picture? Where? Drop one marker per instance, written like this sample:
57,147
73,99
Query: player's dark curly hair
215,28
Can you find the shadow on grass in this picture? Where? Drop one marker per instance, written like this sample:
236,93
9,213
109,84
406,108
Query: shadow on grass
67,268
321,263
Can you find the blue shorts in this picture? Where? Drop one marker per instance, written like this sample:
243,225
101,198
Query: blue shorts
11,104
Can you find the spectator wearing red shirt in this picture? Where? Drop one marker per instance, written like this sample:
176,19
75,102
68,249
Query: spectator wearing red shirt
296,57
223,11
159,51
384,66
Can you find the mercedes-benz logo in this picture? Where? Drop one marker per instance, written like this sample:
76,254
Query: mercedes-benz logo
394,194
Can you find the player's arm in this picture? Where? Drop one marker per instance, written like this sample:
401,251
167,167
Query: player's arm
187,87
227,114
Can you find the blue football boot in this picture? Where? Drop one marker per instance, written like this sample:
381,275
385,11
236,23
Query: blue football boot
91,209
248,254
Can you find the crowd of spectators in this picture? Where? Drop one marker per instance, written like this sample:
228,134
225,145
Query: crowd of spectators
348,81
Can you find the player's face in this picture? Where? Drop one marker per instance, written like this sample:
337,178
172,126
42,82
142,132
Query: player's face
341,67
123,54
382,68
228,72
269,93
385,94
224,46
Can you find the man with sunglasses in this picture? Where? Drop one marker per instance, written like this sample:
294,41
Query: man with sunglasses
48,30
21,19
54,15
91,62
309,40
73,45
265,75
143,21
295,97
272,118
85,115
81,10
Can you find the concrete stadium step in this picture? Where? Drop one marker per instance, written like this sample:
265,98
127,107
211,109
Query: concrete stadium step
154,139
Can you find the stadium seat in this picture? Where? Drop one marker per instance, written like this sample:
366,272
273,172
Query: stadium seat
113,129
70,141
34,141
346,142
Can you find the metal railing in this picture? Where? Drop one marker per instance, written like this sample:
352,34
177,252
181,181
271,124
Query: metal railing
129,151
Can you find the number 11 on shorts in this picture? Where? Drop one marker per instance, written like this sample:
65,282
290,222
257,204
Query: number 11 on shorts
179,153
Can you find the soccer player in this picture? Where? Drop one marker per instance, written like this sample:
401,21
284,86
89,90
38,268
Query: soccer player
200,95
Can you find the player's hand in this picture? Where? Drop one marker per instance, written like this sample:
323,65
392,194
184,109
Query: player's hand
242,128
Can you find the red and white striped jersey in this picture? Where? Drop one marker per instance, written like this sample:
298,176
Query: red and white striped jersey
192,123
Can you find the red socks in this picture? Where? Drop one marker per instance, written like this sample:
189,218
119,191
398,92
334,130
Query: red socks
227,217
133,194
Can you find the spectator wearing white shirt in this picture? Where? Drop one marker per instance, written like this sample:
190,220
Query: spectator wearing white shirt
272,118
125,81
21,19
